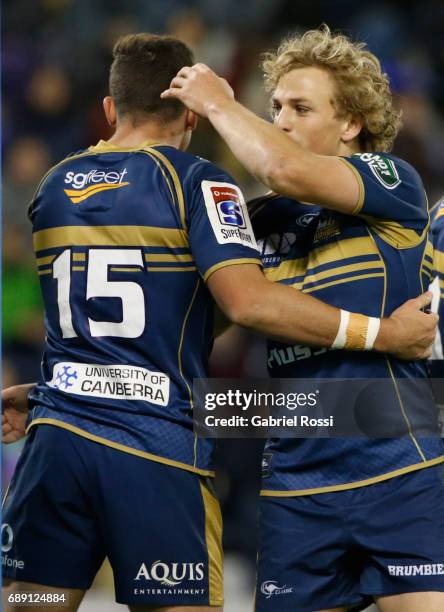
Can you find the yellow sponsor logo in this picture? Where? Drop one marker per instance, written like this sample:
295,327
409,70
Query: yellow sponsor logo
77,196
88,184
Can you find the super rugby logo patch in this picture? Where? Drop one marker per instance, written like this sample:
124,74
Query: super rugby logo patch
383,168
227,213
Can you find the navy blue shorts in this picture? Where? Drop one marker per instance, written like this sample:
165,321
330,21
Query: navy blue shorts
72,502
344,548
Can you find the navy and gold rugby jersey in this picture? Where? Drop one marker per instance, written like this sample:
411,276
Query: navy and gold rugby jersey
437,286
369,262
125,240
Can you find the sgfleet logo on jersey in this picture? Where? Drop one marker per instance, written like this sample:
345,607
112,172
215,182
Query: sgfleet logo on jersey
88,184
383,168
227,213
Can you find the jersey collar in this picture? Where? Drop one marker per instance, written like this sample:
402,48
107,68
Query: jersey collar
104,146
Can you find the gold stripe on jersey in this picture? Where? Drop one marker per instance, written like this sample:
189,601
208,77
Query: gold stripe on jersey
43,261
126,269
165,177
404,413
357,267
426,267
327,254
287,269
213,539
357,483
176,182
79,256
438,261
429,250
341,281
164,257
109,235
394,233
78,268
147,148
361,195
118,446
384,267
172,269
343,249
43,272
230,262
440,213
382,313
179,348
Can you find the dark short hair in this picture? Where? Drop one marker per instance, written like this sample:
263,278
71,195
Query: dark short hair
143,67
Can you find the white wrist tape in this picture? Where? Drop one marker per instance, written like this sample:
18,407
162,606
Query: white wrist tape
373,329
341,336
356,332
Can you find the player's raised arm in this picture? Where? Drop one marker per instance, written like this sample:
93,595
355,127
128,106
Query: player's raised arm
303,158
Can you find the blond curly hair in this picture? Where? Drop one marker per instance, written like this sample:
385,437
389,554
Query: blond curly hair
362,89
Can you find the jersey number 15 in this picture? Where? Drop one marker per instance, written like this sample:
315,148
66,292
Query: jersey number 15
98,285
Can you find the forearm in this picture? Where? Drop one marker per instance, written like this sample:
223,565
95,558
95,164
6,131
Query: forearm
292,317
287,315
258,145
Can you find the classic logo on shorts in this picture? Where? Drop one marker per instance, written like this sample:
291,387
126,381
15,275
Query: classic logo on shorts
383,168
271,587
98,180
425,569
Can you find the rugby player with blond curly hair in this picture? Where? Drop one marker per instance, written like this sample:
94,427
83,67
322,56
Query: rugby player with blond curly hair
343,521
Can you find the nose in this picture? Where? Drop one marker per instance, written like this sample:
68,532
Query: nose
282,120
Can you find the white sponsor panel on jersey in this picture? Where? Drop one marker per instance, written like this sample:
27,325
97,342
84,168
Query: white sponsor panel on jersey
111,381
228,214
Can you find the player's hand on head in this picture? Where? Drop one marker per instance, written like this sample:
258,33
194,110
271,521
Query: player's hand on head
15,410
413,329
200,89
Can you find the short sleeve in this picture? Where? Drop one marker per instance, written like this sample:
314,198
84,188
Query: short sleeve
392,198
219,227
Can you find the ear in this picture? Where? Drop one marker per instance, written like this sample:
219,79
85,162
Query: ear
352,129
191,120
110,111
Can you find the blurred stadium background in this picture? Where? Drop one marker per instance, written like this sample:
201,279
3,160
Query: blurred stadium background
55,60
